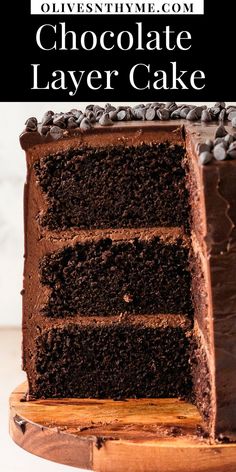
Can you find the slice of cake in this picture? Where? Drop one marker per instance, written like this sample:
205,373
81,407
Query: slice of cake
130,258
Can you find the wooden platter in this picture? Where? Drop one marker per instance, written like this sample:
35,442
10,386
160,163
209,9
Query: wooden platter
147,435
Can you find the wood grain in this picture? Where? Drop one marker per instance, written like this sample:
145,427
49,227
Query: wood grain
147,435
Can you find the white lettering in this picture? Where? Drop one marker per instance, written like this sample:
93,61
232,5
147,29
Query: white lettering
35,79
197,75
47,34
137,69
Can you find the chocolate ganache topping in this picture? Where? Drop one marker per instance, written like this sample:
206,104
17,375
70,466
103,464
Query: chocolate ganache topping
54,126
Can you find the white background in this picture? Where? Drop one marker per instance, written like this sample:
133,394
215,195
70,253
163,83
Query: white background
12,175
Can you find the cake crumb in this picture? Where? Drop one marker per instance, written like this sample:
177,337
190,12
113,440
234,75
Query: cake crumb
128,298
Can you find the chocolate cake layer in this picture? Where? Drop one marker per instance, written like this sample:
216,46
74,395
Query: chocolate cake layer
107,277
119,358
114,187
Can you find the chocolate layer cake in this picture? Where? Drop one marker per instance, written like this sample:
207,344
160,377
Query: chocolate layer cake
130,257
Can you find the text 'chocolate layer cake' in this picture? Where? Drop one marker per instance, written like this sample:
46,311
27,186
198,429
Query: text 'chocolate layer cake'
130,260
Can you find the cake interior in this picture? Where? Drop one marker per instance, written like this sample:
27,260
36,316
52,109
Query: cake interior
115,359
107,277
126,313
114,187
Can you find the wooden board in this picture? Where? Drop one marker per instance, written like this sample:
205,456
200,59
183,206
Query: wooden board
147,435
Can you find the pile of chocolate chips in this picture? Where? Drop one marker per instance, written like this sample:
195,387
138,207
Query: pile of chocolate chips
223,146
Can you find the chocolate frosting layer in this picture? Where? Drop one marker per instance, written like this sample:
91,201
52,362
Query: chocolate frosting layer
217,238
220,200
29,139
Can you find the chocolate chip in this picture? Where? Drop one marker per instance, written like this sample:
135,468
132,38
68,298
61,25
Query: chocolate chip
230,108
89,107
150,114
105,120
220,132
85,124
121,115
171,106
91,116
209,143
206,116
71,123
214,111
47,118
222,115
175,115
43,130
202,147
192,115
31,124
140,105
113,115
205,157
232,150
163,114
76,112
59,120
68,115
231,115
49,113
56,132
81,117
220,104
129,114
184,112
140,113
220,152
228,139
198,110
20,423
185,105
109,107
233,122
97,109
122,108
98,115
218,141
